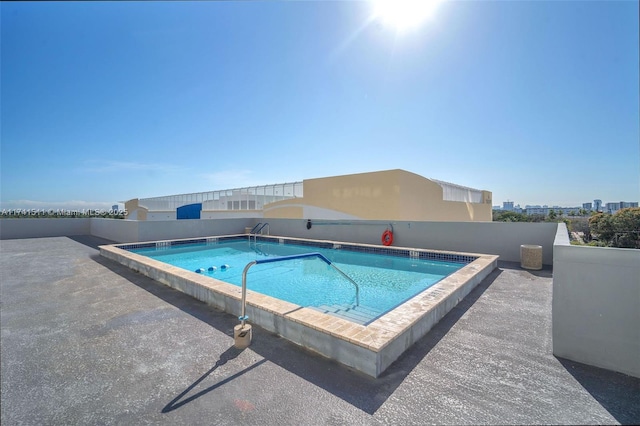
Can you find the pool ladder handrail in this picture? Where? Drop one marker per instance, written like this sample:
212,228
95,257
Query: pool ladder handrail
258,229
243,317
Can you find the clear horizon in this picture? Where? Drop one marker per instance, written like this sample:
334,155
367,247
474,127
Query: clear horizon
101,102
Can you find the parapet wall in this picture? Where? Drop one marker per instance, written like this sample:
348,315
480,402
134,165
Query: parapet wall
118,230
43,227
596,305
500,238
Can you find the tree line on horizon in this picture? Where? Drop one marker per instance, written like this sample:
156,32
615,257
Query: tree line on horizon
620,229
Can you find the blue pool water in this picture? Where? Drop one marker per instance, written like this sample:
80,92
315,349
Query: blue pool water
385,281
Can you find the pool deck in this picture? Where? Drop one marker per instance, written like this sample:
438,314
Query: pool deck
85,340
370,348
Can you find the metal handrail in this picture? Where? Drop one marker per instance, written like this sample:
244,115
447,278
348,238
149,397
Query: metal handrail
243,317
259,230
253,229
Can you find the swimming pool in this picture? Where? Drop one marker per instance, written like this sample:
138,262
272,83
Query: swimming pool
382,281
369,345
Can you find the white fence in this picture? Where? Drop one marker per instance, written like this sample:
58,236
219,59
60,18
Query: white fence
249,198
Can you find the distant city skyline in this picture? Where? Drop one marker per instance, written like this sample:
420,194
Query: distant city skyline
566,205
107,101
595,205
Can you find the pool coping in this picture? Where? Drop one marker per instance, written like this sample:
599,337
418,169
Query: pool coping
368,348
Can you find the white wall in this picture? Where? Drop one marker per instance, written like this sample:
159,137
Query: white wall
190,228
596,306
43,227
121,231
501,238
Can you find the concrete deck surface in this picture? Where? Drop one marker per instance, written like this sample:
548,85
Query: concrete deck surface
86,341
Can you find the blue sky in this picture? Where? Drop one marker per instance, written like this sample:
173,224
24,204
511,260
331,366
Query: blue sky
536,101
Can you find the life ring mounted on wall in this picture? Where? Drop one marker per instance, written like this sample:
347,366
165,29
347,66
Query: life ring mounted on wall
387,237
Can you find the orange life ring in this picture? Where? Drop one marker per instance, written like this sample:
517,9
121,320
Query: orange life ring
387,238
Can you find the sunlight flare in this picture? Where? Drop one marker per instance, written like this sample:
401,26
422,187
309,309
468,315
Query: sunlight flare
404,14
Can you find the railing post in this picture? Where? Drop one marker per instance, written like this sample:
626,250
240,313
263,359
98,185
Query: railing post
243,314
242,333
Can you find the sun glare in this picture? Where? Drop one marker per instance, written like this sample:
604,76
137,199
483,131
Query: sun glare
404,14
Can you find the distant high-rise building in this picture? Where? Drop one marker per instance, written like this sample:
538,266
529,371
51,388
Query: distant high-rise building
597,205
507,205
587,206
530,210
612,207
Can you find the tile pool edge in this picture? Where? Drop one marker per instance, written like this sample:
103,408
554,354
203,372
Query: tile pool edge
368,348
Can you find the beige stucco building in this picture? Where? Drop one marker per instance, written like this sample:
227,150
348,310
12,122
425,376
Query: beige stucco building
383,195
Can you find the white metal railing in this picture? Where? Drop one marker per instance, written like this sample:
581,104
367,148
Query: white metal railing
453,192
247,198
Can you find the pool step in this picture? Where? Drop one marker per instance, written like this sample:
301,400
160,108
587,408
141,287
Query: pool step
357,314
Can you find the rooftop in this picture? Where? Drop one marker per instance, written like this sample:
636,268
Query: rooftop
85,340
